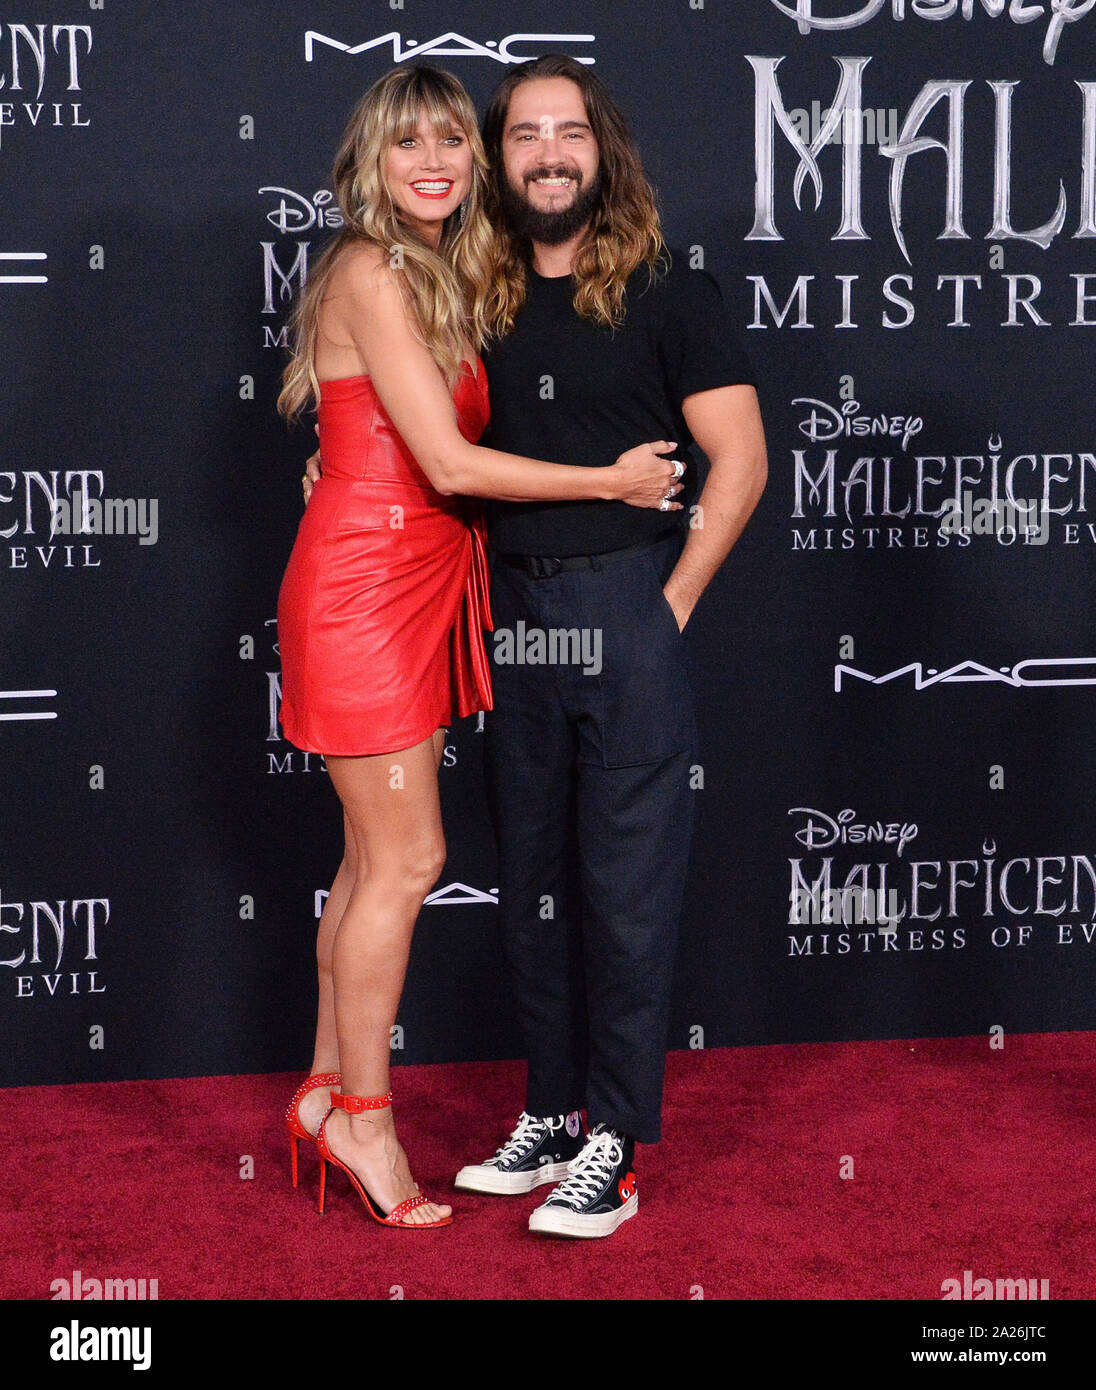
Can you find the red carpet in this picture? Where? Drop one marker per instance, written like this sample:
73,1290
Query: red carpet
964,1159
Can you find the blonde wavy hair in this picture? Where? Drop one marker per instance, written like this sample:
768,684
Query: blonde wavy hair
447,289
625,231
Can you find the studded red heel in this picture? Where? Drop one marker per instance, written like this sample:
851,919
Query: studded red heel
297,1131
354,1105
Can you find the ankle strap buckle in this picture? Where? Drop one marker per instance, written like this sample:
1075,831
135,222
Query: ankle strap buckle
354,1105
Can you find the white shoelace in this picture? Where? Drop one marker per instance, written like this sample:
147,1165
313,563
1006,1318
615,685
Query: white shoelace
590,1170
529,1130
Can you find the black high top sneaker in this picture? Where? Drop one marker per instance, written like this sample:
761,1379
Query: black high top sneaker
598,1193
538,1151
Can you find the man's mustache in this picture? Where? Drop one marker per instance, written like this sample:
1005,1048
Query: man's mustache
557,173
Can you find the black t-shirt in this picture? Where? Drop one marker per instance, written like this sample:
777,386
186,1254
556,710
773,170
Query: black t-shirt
568,391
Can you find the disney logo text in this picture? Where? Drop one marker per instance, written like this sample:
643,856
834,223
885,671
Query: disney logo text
827,422
821,831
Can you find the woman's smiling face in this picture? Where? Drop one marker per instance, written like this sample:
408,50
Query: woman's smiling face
429,175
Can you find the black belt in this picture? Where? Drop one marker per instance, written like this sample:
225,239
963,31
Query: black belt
544,566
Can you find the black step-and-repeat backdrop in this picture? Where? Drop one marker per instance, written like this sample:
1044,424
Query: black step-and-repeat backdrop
895,669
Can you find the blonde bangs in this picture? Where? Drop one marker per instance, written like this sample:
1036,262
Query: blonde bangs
441,111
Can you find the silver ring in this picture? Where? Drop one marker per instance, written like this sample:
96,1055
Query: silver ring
679,468
664,505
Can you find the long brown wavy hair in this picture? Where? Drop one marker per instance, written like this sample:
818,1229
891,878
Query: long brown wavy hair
447,289
624,232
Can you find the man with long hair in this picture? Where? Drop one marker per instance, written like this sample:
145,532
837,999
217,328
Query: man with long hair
602,336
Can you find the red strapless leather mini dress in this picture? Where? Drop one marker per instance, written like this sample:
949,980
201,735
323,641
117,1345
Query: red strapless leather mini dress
384,601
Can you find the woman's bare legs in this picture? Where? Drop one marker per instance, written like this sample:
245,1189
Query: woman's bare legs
325,1055
393,815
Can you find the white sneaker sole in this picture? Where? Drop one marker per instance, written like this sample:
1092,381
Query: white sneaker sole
558,1221
477,1177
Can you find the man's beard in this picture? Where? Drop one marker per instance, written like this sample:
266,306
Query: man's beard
549,228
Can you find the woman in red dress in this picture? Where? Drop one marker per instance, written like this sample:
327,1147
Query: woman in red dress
382,608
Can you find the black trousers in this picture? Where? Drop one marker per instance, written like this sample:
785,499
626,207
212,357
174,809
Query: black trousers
588,765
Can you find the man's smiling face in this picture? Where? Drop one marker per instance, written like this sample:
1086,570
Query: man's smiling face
551,182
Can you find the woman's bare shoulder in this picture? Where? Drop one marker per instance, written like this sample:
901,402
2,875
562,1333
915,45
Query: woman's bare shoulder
361,268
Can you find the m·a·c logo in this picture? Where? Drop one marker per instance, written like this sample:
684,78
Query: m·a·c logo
1032,671
14,714
455,894
14,269
453,45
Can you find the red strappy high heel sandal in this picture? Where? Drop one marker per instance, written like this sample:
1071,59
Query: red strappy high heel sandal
354,1105
297,1131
